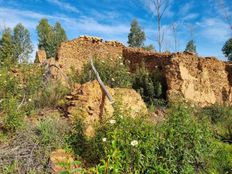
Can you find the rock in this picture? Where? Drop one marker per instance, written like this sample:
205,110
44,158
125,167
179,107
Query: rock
203,81
61,156
93,107
40,56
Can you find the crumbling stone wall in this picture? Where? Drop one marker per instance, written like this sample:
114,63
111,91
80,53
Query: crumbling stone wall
76,53
201,80
40,56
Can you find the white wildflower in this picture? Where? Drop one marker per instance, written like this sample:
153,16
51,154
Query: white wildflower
120,57
121,63
134,143
0,75
104,139
112,121
113,79
29,99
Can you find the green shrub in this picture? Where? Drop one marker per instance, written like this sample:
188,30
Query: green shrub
151,86
13,116
51,132
50,95
220,118
222,159
18,84
184,144
134,145
113,73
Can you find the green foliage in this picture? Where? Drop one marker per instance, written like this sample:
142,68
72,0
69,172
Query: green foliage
184,144
151,86
227,49
71,167
191,47
222,159
134,145
136,36
51,95
22,43
17,91
44,31
50,37
59,36
220,118
112,73
6,48
149,47
14,117
50,132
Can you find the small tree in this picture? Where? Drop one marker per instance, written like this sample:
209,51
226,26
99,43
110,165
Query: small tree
191,47
136,36
6,47
227,49
22,43
59,36
50,37
45,33
149,47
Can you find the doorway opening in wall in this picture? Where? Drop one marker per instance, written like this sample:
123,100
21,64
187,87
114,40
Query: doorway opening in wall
152,86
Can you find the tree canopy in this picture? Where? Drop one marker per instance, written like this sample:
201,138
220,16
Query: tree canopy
191,47
50,37
6,47
136,36
227,49
22,43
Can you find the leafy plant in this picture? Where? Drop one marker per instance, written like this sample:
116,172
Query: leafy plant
220,118
113,73
151,86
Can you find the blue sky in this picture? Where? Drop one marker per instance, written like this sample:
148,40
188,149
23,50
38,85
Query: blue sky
110,20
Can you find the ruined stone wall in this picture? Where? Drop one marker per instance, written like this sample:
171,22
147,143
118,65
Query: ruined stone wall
135,57
202,80
76,53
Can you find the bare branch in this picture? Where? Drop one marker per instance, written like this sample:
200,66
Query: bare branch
100,82
161,7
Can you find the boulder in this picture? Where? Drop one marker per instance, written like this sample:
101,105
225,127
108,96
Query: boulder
88,102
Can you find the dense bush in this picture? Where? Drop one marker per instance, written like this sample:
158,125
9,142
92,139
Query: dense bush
126,145
220,118
51,95
113,73
23,91
151,86
18,83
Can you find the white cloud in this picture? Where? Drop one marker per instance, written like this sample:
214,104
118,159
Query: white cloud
10,17
214,29
190,16
185,9
64,5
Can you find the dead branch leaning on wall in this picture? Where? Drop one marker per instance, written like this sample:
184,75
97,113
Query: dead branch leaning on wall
104,89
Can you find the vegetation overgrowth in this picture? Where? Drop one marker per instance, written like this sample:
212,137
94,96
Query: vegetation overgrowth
189,140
